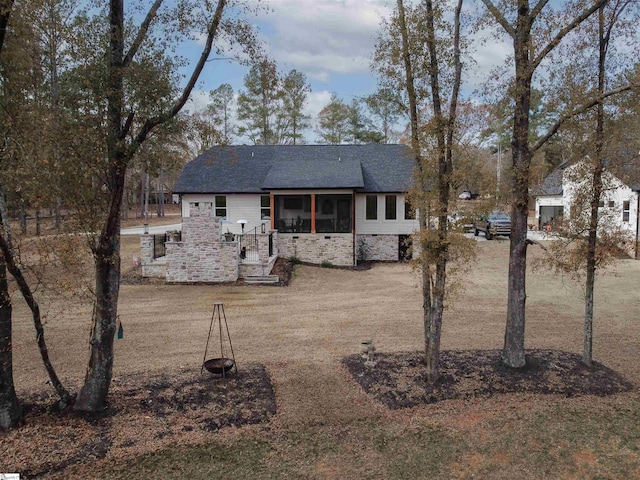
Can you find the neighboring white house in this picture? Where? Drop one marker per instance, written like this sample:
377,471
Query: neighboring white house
619,200
332,204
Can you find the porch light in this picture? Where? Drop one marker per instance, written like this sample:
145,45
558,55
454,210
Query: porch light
242,223
146,228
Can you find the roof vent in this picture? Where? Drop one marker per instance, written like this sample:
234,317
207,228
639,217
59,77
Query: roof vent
251,154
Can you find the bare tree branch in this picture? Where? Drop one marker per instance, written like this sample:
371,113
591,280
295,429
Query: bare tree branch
563,33
577,111
142,33
537,9
153,122
500,18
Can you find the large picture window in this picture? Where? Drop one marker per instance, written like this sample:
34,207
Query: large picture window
390,203
372,207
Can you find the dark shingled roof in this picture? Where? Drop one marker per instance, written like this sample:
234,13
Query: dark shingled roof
254,168
552,184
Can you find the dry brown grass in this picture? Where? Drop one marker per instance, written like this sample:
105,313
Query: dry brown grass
326,427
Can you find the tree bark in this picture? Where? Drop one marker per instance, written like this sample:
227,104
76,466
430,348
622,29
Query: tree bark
513,351
6,251
93,394
592,242
10,409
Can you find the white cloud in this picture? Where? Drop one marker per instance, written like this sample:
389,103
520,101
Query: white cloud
321,37
316,102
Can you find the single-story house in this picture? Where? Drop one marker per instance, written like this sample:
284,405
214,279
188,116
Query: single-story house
333,204
621,200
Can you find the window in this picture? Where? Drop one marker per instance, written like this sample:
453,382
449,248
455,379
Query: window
372,207
625,211
601,204
265,206
409,214
390,207
221,206
611,204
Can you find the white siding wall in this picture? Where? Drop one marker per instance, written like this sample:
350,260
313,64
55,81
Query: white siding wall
617,192
399,226
247,207
239,206
548,201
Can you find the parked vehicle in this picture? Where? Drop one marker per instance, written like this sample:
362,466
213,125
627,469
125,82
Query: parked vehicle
496,223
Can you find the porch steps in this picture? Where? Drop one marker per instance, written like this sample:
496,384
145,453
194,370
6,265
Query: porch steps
253,279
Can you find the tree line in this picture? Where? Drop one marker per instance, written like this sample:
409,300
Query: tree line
270,110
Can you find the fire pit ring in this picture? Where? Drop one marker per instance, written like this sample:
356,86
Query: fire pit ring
219,365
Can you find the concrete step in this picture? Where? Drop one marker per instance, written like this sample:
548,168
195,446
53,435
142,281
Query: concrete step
262,279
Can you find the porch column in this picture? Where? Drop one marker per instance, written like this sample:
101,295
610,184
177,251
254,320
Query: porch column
272,210
313,213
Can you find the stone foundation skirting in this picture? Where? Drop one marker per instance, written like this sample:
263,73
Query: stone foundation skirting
318,248
382,248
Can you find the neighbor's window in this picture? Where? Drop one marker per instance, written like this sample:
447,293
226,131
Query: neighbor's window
372,207
221,206
409,214
390,207
625,211
265,206
601,204
611,204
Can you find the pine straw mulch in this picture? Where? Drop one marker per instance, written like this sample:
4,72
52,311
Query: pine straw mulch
145,412
398,380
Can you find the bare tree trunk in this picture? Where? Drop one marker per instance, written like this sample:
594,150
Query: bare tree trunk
147,187
10,409
93,394
160,198
587,354
513,354
423,207
6,251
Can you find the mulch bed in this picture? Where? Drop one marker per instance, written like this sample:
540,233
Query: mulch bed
398,380
144,413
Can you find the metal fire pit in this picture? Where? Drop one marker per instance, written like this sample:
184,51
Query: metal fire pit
219,366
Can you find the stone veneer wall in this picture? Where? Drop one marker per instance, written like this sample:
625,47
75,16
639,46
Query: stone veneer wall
249,269
151,267
335,248
201,256
378,247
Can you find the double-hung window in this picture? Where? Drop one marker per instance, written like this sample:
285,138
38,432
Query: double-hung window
265,206
625,211
221,206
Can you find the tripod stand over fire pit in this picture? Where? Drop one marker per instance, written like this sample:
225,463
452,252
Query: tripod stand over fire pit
222,364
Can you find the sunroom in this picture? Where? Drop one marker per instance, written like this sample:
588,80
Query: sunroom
313,213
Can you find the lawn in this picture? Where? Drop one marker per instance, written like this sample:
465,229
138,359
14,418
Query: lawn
326,426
